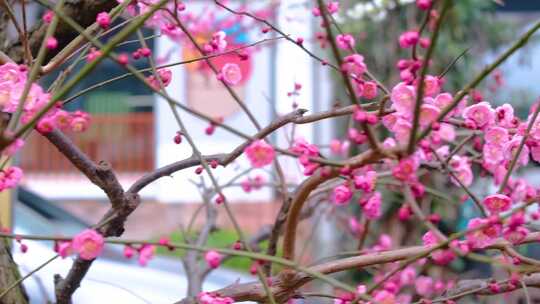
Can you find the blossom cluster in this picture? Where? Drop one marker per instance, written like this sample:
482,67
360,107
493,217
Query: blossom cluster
13,80
13,87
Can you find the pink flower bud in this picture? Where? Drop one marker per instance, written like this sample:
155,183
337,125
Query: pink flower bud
103,19
213,259
51,43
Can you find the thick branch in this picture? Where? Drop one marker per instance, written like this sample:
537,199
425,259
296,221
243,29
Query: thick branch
285,286
222,159
112,223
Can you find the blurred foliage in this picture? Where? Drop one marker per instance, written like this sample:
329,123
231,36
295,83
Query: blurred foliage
222,238
471,24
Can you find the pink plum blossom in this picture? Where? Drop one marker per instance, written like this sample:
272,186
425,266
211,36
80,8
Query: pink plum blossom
10,177
432,85
424,4
406,169
341,195
103,19
497,203
370,90
366,181
51,43
208,298
505,116
146,253
515,235
511,148
372,208
213,258
88,244
354,65
424,286
496,136
65,249
403,98
345,41
217,44
408,39
428,114
260,153
230,73
482,237
481,114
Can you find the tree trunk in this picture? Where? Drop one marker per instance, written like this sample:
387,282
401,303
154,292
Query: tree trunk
9,273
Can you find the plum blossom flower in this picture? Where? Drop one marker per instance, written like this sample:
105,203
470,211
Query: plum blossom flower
165,77
345,41
339,147
432,85
13,73
62,119
440,256
505,116
496,135
403,98
79,121
515,235
51,43
462,170
306,150
481,238
10,177
446,132
407,276
354,65
370,90
103,19
332,7
492,154
341,195
213,259
384,297
218,43
129,252
208,298
424,4
146,253
260,153
93,54
481,114
511,149
442,100
424,286
406,169
64,249
366,181
408,39
497,203
230,73
428,114
88,244
402,130
372,208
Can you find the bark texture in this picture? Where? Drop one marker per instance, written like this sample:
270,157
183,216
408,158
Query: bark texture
9,273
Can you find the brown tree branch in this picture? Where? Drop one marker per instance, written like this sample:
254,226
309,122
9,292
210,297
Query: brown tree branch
222,159
285,286
112,223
